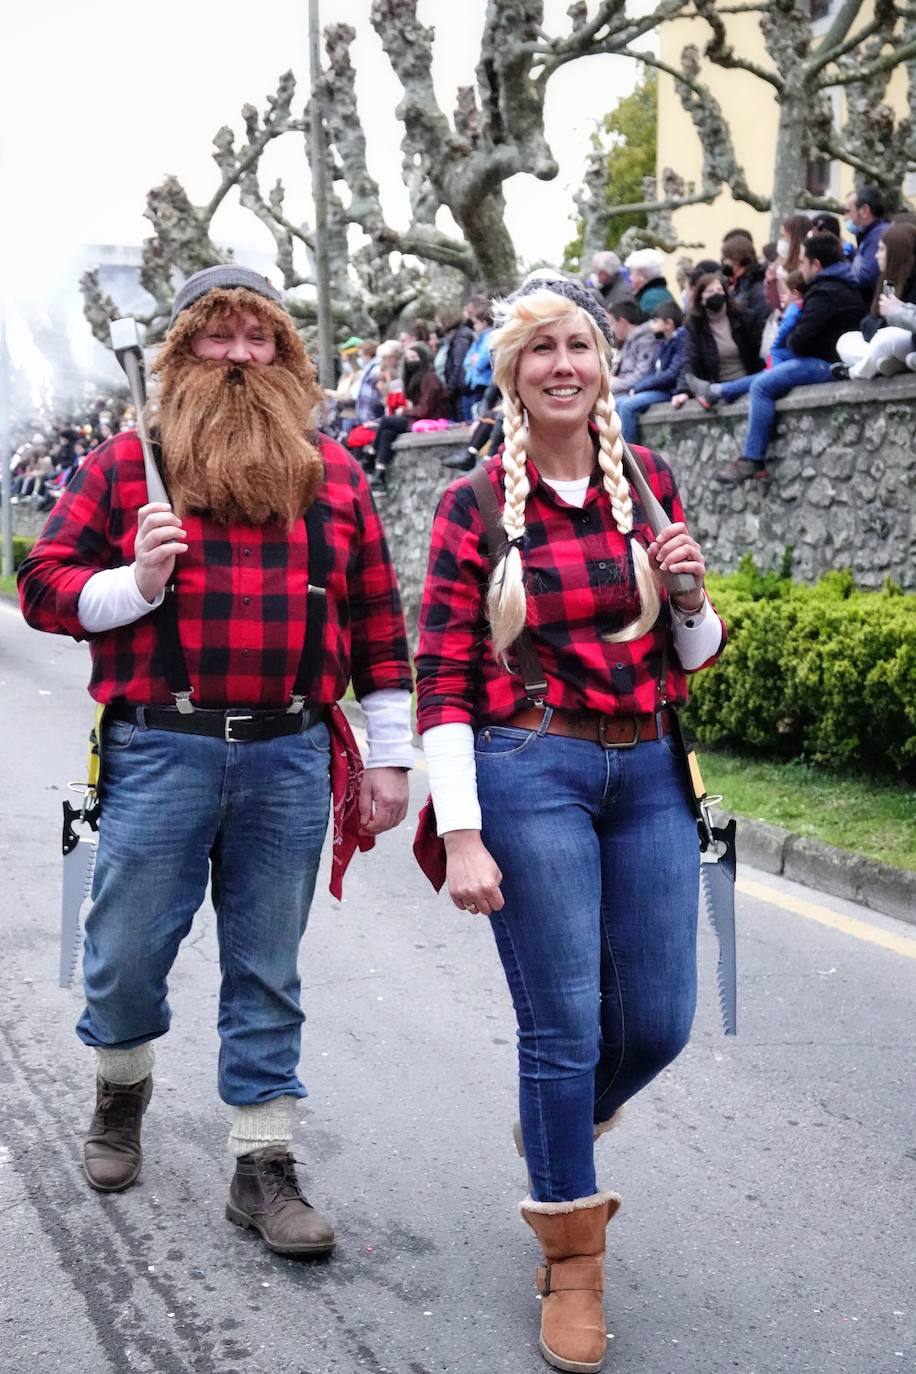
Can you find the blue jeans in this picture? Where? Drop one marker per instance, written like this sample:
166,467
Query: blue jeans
600,861
629,408
765,389
175,810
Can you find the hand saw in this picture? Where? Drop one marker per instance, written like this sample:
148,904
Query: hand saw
717,881
79,866
80,850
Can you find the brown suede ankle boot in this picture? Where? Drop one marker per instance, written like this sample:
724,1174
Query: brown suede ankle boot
571,1281
111,1152
265,1194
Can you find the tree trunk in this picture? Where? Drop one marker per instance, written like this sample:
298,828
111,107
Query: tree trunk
484,225
791,174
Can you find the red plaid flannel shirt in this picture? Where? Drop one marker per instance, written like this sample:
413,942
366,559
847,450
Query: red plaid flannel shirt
579,585
241,591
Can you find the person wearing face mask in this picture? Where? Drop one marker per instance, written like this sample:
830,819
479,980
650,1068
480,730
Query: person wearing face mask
657,386
831,305
746,276
426,399
792,233
865,221
721,343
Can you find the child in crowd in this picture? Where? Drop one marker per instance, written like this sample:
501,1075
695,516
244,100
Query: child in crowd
666,322
779,351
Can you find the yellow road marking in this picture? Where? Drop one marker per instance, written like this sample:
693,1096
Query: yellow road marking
812,911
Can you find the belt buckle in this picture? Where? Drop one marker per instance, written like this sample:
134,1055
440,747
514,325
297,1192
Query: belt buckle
230,721
615,744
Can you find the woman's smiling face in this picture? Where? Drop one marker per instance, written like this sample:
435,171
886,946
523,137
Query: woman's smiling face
559,372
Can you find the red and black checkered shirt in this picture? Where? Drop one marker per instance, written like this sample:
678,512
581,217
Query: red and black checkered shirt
580,586
241,591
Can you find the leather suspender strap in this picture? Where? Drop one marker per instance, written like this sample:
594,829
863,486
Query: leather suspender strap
167,637
316,610
488,505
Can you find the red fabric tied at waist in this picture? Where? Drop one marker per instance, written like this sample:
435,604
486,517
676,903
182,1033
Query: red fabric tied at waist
346,777
429,848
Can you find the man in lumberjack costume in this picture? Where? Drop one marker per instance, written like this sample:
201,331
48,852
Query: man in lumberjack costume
240,785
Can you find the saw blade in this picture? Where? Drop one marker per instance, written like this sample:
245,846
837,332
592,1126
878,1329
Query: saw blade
718,882
79,868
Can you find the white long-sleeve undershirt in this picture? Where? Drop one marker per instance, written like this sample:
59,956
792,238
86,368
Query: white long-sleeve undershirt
111,598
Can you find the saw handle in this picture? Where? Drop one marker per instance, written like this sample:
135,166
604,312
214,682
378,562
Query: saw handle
678,584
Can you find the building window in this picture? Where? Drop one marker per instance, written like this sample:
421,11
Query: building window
820,9
817,179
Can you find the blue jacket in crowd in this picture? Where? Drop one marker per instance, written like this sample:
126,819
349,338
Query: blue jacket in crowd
779,350
478,368
667,366
865,263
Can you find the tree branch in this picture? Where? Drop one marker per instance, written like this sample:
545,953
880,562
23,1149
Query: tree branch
842,23
720,51
234,165
823,57
884,64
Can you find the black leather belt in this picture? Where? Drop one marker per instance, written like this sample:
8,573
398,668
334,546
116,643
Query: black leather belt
236,726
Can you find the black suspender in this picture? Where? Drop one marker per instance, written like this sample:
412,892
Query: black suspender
528,661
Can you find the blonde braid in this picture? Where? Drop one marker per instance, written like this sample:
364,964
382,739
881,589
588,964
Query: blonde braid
506,601
610,459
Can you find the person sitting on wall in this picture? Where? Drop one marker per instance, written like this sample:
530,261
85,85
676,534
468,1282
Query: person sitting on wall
658,385
647,275
830,307
720,343
865,220
884,341
745,276
638,346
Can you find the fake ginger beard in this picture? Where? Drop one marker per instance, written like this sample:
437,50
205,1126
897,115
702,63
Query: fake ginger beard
235,437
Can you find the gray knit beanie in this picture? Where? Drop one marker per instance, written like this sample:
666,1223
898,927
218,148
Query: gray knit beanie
562,286
224,277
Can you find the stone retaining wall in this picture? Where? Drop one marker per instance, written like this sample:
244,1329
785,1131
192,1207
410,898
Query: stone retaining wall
843,493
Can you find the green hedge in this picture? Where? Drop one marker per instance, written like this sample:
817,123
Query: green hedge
824,673
22,543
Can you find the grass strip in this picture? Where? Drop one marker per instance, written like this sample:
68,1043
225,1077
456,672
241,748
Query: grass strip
877,819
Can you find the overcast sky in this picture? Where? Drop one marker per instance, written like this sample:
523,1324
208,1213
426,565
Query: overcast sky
100,100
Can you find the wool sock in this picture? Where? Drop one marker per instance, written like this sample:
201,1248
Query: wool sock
262,1125
125,1067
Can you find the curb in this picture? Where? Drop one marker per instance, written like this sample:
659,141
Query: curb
839,872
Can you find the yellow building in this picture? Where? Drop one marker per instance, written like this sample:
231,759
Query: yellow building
749,106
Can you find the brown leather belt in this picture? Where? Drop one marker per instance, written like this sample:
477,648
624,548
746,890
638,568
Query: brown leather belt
613,732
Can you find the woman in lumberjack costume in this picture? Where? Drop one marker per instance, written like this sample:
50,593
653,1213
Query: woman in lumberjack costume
564,813
283,592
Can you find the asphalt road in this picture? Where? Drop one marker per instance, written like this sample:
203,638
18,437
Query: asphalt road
768,1181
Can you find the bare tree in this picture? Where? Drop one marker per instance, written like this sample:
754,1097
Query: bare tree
457,164
860,48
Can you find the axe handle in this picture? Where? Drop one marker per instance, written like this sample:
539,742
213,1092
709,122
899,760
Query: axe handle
155,487
678,584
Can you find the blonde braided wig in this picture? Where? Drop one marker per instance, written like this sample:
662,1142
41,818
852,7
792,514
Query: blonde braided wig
519,321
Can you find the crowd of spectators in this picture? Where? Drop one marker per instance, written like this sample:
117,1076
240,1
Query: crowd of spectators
809,308
42,464
812,307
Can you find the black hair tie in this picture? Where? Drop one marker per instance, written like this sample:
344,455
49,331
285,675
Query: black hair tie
517,543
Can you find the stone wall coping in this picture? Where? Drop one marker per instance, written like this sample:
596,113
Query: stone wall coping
832,394
457,434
